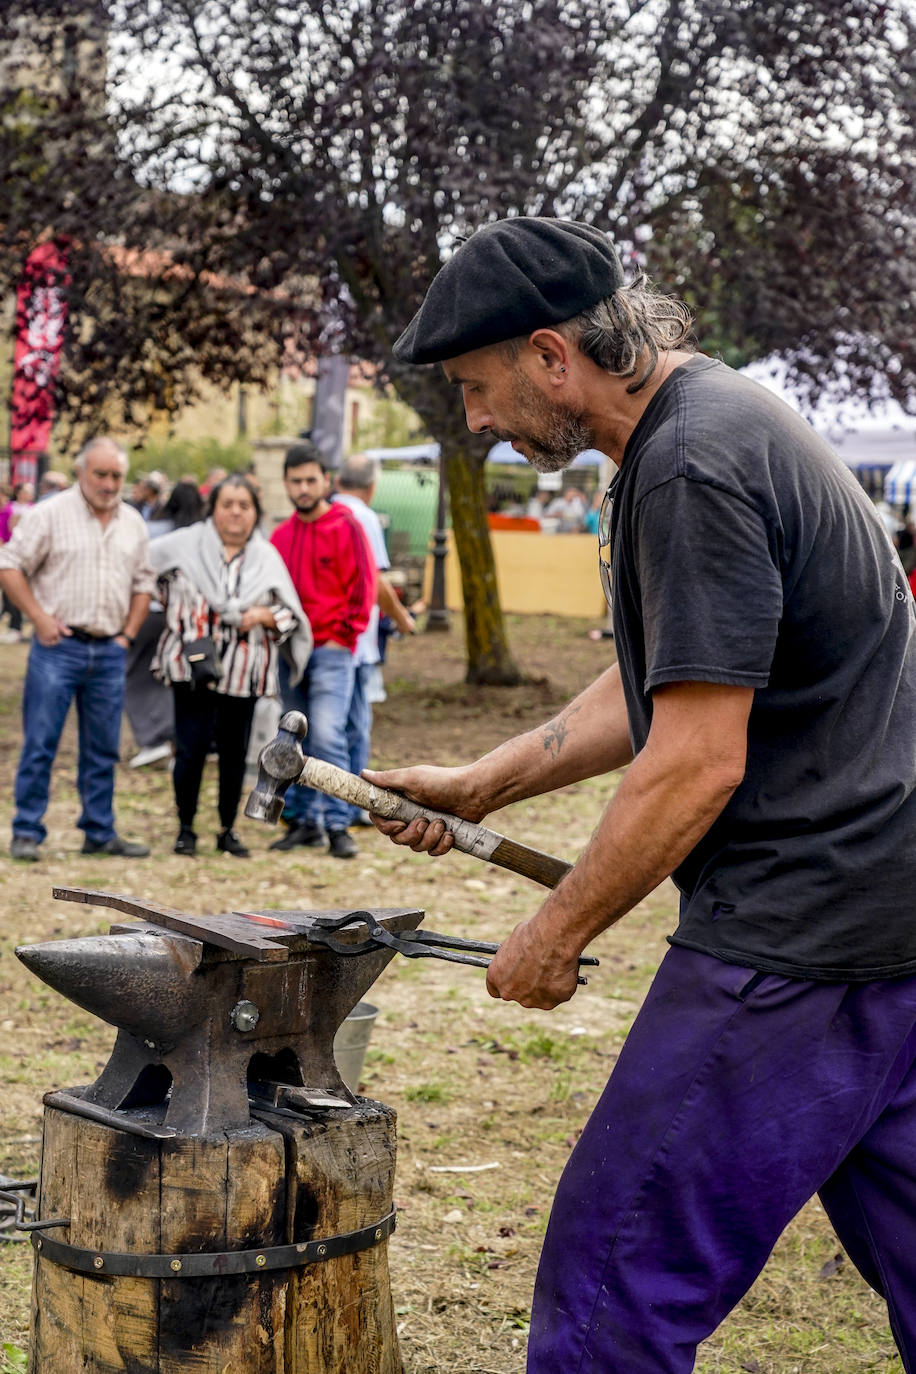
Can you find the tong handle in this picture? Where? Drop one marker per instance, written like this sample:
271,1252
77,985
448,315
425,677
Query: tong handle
429,944
432,937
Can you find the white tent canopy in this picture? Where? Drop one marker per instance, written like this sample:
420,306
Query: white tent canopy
900,484
863,437
409,453
878,442
499,453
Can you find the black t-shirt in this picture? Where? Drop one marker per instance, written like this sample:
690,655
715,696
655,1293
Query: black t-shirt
745,553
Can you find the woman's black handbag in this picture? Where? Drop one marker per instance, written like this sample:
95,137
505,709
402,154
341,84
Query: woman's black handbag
203,660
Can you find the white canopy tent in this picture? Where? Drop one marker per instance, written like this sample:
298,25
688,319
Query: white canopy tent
505,453
499,453
426,454
900,485
878,443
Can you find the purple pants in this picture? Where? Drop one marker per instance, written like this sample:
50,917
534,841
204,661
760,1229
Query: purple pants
736,1097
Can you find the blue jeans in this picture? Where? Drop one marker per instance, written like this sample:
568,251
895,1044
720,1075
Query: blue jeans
93,674
324,695
359,724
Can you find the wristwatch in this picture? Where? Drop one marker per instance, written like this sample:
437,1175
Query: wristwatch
122,634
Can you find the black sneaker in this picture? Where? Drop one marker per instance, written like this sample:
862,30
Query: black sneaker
24,847
341,845
229,842
308,834
186,843
124,849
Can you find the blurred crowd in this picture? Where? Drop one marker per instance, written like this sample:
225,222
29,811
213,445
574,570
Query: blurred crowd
571,510
902,530
174,603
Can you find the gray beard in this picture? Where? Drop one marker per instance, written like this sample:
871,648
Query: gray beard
556,436
569,437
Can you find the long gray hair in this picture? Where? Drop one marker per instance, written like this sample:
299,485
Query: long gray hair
618,331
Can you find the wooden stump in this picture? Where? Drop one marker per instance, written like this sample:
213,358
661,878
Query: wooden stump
341,1178
281,1181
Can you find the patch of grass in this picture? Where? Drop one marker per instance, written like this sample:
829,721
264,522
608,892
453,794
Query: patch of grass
468,1258
543,1046
561,1088
379,1057
428,1092
517,1320
15,1282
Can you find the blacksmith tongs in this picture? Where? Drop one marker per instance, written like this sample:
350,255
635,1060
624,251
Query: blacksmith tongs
413,944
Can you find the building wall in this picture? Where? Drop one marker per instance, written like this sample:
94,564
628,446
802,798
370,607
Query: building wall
51,60
283,408
267,455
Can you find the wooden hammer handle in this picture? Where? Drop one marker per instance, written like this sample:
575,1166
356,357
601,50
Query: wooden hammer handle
468,837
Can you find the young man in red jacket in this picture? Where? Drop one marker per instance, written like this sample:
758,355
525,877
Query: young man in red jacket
334,573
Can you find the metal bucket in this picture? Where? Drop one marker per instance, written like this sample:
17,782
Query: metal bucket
351,1041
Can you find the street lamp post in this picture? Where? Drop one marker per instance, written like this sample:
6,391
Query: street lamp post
437,617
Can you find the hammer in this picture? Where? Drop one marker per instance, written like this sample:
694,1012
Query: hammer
282,763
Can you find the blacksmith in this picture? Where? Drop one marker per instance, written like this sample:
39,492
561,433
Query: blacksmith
78,567
765,700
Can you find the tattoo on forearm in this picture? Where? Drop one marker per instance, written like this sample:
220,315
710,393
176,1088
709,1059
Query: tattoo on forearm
556,732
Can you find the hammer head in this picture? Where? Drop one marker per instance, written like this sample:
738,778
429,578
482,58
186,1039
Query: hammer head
279,766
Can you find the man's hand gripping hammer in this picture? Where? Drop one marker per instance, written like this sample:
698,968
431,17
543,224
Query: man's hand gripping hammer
282,763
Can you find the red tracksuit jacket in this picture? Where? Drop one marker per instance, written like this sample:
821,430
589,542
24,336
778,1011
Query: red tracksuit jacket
333,571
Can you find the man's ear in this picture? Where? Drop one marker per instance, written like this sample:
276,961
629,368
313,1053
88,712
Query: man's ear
553,351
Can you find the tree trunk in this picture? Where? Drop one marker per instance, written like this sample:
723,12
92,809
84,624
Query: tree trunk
489,658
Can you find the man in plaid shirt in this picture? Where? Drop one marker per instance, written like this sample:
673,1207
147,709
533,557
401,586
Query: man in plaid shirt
78,567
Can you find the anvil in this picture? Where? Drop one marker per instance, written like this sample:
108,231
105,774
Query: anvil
213,1009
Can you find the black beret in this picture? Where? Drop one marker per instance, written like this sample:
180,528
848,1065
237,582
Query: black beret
506,280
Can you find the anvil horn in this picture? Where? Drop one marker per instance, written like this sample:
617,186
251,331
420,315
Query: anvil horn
140,983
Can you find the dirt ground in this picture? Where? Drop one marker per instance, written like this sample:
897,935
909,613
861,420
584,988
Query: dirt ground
490,1097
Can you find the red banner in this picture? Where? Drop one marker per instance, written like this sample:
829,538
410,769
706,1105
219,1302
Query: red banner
41,314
